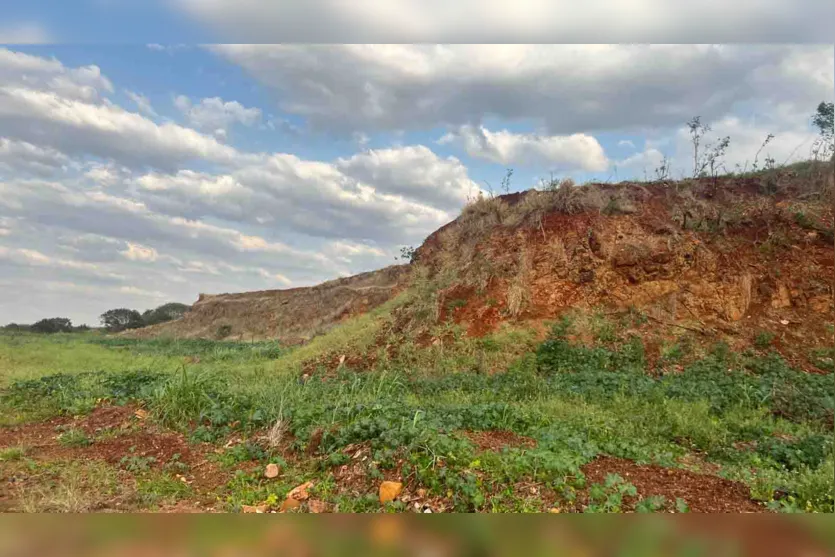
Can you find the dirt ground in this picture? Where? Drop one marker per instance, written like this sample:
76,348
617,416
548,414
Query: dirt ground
118,432
704,493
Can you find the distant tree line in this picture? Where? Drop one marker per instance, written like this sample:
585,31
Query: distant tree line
121,319
113,320
49,325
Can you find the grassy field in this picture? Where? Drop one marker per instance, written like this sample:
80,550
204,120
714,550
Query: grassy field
505,423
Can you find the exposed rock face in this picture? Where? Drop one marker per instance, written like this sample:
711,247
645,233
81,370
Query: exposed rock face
740,262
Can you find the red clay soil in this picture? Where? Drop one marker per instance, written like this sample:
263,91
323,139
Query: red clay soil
481,313
702,493
133,436
496,440
765,270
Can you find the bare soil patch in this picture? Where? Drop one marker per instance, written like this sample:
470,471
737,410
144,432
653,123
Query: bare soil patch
702,493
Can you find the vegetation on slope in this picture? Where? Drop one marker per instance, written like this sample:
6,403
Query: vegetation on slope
459,437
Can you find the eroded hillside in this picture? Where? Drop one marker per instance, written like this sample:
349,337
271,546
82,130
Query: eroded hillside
657,347
290,316
746,260
743,260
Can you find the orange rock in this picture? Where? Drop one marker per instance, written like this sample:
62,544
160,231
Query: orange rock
272,471
389,491
260,509
289,504
820,304
299,493
782,298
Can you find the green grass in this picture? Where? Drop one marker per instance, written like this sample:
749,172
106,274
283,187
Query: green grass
74,438
70,487
10,454
156,489
750,415
30,356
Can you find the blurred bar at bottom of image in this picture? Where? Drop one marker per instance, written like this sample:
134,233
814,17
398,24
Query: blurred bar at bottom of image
436,536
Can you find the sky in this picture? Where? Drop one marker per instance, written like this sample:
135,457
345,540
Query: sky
142,172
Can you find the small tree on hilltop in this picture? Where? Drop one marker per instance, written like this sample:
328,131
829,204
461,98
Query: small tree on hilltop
408,253
824,120
115,320
697,133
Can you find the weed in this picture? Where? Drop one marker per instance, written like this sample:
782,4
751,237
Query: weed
243,452
763,339
682,506
74,438
71,487
161,488
175,465
650,504
452,305
608,496
136,463
10,454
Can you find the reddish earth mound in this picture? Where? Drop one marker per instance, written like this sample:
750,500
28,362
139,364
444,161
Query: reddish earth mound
720,260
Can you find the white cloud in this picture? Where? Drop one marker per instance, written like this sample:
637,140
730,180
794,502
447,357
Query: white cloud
142,103
23,157
19,70
626,143
641,165
141,292
275,276
137,252
30,257
47,104
216,114
573,152
536,21
414,172
99,213
563,89
106,174
104,130
391,194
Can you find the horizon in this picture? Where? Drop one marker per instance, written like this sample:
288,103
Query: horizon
144,174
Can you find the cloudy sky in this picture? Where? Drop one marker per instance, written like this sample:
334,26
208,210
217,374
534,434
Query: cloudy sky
136,175
426,21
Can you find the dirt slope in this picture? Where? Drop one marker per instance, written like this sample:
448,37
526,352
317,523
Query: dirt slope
291,316
746,260
732,260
